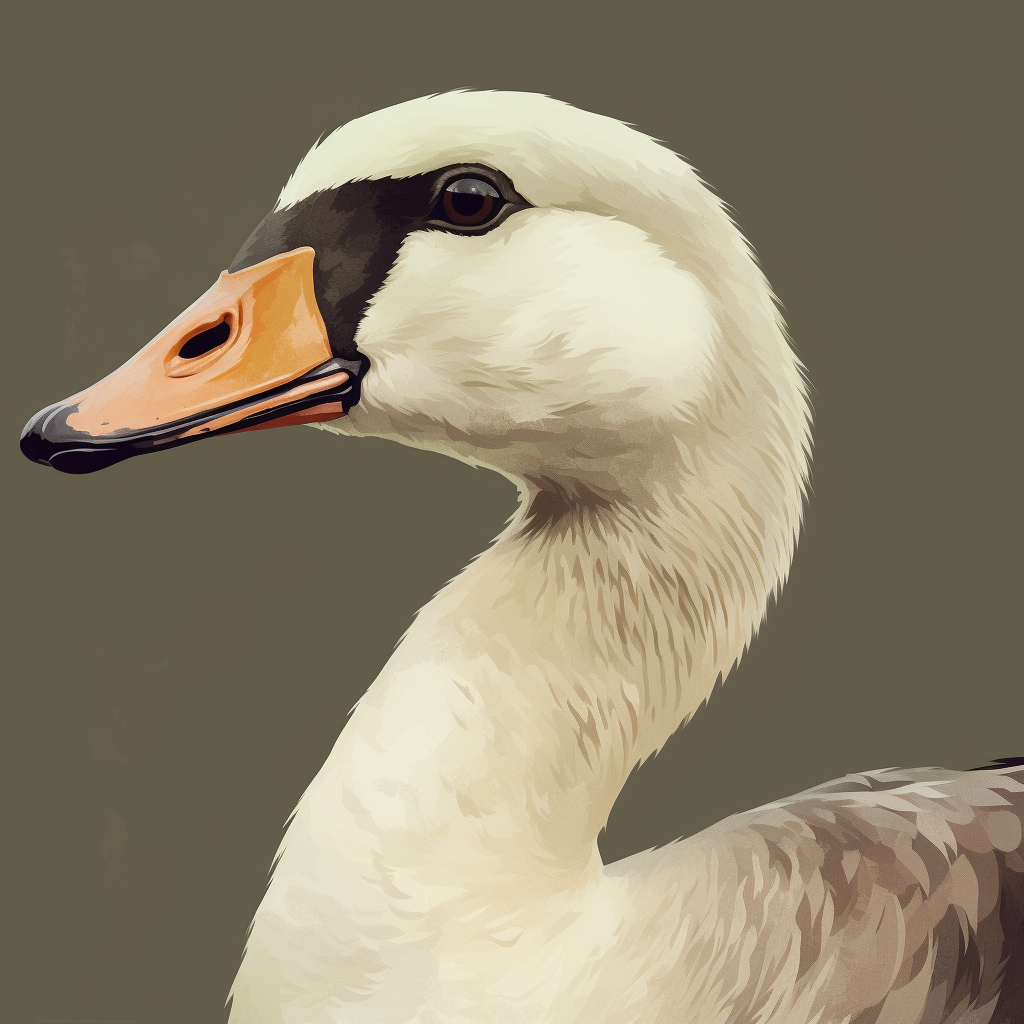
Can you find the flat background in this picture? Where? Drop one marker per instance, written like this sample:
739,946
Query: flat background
187,633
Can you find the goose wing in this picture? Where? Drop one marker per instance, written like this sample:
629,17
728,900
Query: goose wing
888,896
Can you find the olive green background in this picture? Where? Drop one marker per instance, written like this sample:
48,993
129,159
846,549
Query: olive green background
186,633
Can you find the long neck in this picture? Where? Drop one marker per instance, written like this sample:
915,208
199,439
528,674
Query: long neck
460,807
484,760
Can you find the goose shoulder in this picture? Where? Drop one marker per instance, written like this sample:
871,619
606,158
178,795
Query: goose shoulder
893,889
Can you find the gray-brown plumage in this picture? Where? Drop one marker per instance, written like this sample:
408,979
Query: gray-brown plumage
889,897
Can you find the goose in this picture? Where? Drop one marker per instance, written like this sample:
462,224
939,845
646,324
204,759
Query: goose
550,294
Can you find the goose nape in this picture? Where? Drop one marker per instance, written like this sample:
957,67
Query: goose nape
550,294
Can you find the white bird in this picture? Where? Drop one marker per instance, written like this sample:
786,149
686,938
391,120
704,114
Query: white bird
552,295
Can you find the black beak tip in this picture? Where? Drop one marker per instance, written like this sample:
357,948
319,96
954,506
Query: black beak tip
33,446
36,446
85,460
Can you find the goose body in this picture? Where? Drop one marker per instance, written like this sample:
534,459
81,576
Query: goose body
604,339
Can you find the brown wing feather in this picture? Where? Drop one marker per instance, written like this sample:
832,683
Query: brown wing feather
888,897
947,846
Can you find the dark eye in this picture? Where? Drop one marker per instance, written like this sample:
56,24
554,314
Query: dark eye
469,202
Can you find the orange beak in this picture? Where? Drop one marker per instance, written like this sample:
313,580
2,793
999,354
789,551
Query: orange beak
252,352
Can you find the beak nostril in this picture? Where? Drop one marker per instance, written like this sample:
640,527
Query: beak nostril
206,341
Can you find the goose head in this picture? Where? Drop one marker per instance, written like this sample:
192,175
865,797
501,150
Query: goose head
502,278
